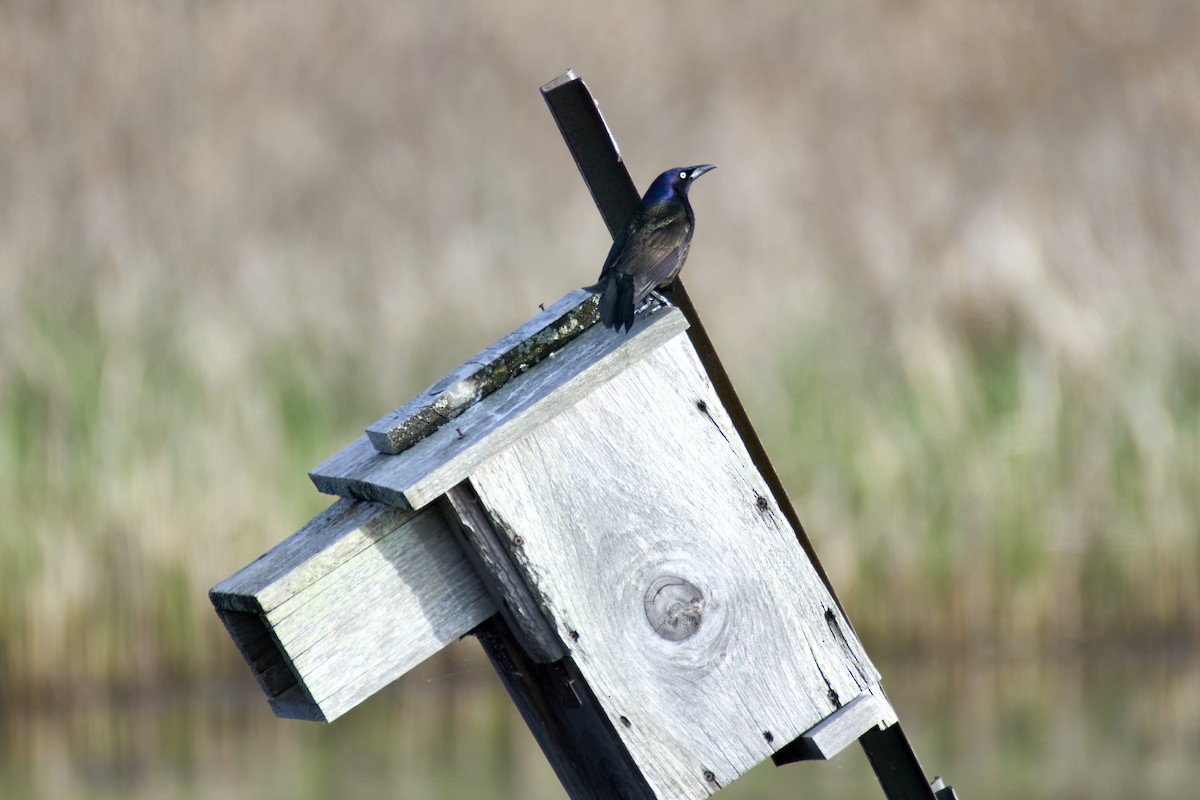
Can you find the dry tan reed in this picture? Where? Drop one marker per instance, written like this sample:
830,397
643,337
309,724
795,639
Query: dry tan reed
951,258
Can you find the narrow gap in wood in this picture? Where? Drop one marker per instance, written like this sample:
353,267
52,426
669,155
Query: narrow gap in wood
486,551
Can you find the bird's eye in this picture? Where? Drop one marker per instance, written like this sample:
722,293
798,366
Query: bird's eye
683,176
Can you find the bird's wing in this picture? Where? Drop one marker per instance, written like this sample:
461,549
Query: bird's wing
618,247
650,247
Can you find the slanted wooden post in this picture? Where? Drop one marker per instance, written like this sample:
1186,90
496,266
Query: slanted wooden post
597,510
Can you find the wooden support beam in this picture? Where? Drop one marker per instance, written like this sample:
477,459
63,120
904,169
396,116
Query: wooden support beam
347,604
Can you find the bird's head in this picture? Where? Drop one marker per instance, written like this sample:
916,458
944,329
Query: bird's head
675,182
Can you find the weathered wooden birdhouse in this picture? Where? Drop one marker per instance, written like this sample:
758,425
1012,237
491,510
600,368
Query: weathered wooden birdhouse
595,508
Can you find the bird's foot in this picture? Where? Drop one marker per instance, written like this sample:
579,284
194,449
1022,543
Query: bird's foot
654,301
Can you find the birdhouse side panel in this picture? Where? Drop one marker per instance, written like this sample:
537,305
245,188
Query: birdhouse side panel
658,554
349,603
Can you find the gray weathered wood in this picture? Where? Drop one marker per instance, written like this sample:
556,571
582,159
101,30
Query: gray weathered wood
487,554
486,372
349,603
840,729
654,546
430,467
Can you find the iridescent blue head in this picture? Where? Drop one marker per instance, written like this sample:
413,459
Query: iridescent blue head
674,183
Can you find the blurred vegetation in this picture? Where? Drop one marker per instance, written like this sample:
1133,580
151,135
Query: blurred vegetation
950,259
1109,729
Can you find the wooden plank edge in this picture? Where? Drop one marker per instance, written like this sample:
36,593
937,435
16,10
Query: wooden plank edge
296,562
466,516
869,711
347,473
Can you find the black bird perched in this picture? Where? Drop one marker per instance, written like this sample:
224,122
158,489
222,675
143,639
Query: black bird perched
650,250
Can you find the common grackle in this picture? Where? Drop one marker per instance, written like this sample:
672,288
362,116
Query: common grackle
650,250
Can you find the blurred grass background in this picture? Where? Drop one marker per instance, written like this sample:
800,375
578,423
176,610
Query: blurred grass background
950,259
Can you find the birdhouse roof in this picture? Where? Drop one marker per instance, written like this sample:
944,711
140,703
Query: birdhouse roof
416,453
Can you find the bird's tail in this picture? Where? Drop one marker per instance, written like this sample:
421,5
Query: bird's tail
616,300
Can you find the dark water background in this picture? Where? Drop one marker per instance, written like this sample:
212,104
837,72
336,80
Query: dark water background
1111,726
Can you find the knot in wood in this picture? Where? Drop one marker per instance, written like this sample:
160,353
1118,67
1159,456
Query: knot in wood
674,607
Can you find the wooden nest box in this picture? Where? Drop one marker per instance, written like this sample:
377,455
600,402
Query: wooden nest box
583,502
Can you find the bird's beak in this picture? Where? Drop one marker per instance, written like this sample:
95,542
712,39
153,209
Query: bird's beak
700,169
